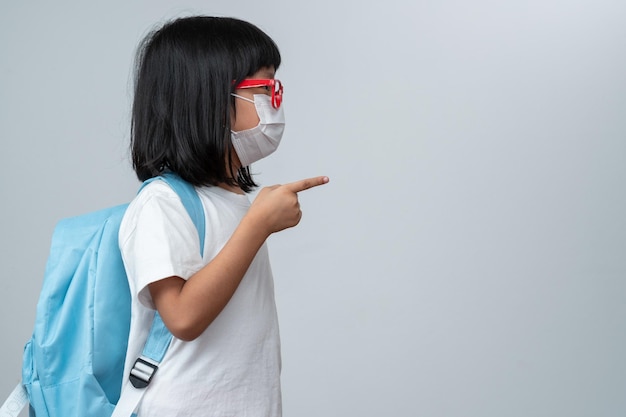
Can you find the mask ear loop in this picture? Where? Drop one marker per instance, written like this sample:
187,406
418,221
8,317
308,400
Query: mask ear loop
242,97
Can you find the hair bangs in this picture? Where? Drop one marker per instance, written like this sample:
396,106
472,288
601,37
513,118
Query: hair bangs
254,50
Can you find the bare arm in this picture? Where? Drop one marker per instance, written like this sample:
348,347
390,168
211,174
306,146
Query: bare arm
189,307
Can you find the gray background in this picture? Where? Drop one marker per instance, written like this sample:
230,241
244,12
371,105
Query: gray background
467,258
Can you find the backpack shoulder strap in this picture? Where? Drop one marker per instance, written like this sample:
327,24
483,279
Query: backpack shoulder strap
160,337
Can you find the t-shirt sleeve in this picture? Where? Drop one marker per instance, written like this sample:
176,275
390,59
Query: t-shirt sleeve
158,240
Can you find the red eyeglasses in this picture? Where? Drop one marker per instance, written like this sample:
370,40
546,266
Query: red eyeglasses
275,85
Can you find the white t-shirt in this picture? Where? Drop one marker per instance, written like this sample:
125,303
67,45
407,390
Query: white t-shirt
233,368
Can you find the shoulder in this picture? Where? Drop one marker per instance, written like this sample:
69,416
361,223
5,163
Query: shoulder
155,194
156,190
156,205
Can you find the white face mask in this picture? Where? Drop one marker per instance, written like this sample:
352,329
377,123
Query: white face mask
254,144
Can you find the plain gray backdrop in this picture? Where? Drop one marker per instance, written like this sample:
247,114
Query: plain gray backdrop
468,257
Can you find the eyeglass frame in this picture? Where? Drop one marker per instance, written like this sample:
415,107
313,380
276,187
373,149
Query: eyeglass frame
276,85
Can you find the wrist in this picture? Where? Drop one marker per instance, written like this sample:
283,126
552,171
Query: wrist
254,228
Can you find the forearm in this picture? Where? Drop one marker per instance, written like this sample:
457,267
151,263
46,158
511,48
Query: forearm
189,307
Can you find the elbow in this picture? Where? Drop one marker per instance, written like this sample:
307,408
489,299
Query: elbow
185,330
188,337
185,335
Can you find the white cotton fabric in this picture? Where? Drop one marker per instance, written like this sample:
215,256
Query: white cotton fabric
233,368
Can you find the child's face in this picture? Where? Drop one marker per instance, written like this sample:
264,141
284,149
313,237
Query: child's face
246,115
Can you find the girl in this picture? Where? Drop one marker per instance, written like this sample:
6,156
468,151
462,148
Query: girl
206,106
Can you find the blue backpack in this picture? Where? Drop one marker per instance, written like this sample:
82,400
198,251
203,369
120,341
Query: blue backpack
73,364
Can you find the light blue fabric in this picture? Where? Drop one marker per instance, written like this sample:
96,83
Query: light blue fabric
74,362
158,340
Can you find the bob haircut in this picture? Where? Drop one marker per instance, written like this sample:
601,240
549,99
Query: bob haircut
185,73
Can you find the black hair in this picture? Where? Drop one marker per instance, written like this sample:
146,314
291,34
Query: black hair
185,73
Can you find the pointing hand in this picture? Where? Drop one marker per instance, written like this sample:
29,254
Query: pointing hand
277,207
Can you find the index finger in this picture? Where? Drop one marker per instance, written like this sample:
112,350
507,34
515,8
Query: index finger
305,184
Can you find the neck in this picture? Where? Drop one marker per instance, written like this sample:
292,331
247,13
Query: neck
232,188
